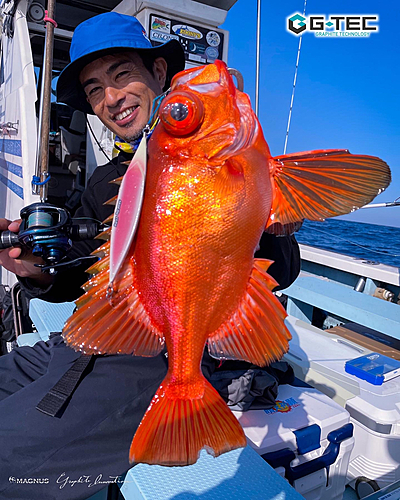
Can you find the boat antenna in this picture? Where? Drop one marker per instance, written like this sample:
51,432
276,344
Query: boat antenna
294,84
40,180
258,55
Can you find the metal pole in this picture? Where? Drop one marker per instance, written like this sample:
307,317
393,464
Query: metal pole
36,188
44,126
258,54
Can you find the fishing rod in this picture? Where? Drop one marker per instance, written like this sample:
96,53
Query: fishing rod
294,85
394,203
41,177
258,55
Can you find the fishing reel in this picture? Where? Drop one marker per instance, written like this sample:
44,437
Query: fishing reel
48,231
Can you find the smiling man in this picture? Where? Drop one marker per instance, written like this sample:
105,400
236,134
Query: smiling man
118,76
91,406
121,91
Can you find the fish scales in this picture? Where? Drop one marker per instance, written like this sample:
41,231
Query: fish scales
190,278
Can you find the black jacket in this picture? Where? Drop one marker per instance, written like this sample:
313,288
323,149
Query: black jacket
284,251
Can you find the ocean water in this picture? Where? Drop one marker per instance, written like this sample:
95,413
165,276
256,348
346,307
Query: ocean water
366,241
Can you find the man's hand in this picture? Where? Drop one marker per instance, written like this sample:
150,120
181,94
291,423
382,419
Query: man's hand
21,261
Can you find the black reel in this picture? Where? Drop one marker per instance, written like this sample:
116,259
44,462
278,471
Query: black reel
48,231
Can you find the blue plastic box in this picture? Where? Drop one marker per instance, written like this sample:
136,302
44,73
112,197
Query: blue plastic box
375,368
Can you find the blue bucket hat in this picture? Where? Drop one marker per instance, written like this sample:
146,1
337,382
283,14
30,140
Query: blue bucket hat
106,34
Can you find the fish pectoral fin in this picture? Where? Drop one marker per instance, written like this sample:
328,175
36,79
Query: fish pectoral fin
256,331
174,430
229,179
119,326
319,184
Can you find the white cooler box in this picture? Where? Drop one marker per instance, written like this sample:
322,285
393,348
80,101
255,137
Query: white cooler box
306,438
319,358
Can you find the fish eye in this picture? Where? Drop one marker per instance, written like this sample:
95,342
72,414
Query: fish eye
181,113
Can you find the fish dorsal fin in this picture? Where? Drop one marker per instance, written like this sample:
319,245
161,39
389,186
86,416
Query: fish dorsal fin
120,326
256,331
316,185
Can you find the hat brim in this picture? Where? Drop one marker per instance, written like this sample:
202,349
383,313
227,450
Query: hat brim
69,90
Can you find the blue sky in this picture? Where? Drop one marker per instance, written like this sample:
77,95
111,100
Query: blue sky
347,92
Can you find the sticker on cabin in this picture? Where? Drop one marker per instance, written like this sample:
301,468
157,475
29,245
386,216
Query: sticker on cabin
283,406
213,38
187,32
211,53
158,36
200,44
161,24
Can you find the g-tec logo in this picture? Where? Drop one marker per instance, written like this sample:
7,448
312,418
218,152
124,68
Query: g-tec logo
301,25
335,25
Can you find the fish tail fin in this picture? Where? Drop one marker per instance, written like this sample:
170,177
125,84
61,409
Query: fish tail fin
175,429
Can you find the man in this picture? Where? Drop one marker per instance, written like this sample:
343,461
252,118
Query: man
116,74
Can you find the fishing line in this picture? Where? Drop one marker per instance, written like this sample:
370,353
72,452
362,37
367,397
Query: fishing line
294,85
95,138
89,218
353,243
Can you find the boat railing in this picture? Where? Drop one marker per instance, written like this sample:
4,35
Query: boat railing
345,289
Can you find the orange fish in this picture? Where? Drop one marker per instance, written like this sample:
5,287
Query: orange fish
190,277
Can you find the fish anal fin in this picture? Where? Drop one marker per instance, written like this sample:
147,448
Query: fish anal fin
174,430
319,184
102,251
112,201
121,327
118,180
104,235
99,266
109,219
256,331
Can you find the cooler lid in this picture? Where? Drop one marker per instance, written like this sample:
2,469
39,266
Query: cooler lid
296,408
327,354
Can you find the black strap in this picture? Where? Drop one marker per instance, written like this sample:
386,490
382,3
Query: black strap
54,400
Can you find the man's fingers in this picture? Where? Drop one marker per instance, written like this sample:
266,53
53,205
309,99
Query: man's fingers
10,225
14,226
15,253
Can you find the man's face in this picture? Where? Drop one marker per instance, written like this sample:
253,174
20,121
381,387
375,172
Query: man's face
121,91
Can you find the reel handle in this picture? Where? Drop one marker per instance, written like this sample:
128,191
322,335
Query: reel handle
9,239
